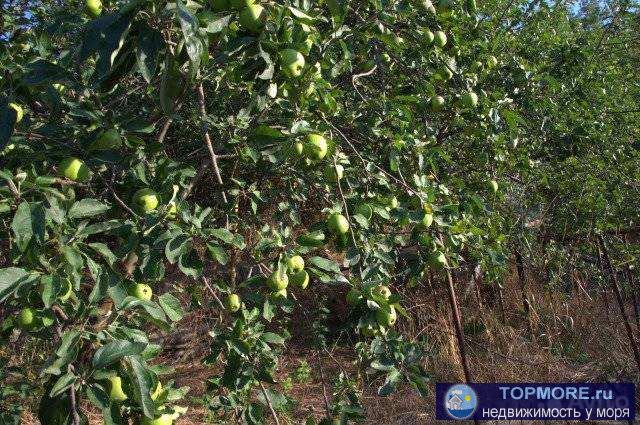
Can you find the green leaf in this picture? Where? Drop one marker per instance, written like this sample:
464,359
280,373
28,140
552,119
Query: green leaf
390,383
22,226
7,122
189,25
218,253
171,306
114,351
271,338
142,382
72,256
178,245
61,385
325,264
44,72
105,252
150,43
10,280
87,207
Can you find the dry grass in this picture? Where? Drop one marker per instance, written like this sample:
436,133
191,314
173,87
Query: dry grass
567,338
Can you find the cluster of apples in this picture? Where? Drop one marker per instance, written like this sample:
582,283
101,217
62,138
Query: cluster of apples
30,319
118,395
386,315
294,273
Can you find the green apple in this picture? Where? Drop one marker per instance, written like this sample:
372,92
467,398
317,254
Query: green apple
232,302
427,220
239,4
68,290
492,62
172,211
315,147
93,7
142,291
74,169
157,392
115,392
27,318
386,318
429,37
292,62
107,140
428,6
278,281
386,58
145,200
440,39
301,279
437,102
393,203
337,224
281,293
298,148
365,210
295,263
493,186
469,99
60,88
333,174
382,291
354,297
164,419
252,18
19,111
219,5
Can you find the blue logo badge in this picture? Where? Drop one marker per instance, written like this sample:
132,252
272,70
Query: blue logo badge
460,401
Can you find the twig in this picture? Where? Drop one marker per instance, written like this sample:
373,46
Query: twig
266,397
364,161
206,283
165,129
207,139
72,398
327,405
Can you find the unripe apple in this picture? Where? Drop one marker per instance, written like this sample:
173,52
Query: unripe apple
493,186
440,39
315,147
492,62
393,203
107,140
60,88
145,200
428,6
278,281
295,263
68,290
26,318
382,291
142,291
74,169
427,220
232,302
116,393
470,99
19,111
252,18
292,62
337,224
94,8
172,211
429,37
437,102
301,279
333,174
298,148
386,318
281,294
365,210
